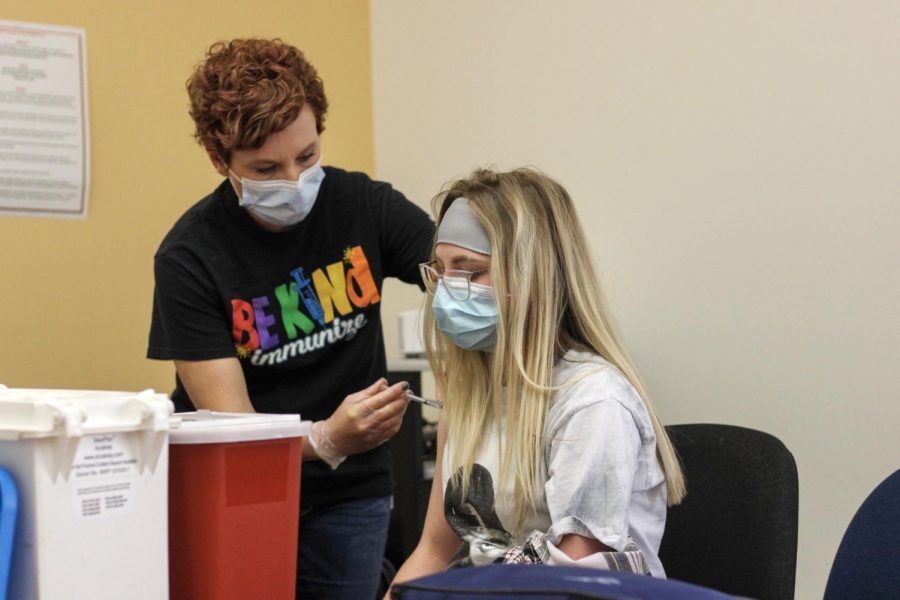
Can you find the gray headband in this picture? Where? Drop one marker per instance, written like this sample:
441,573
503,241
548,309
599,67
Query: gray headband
461,228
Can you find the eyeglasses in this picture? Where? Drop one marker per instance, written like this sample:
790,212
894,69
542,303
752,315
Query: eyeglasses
455,282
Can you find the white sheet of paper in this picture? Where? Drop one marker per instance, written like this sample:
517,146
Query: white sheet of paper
44,141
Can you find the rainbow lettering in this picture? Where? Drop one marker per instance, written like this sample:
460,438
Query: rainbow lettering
268,328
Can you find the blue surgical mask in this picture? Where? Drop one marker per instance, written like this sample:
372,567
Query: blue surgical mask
471,324
283,202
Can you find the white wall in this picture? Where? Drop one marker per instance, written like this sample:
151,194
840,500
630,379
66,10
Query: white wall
736,165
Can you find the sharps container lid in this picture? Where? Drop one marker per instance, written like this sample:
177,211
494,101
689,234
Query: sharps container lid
210,427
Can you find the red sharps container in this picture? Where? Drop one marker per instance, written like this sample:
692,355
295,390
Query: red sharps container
234,505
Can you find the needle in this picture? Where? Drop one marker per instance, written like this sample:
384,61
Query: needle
434,403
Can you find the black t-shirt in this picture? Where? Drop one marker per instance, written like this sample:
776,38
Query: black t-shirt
299,308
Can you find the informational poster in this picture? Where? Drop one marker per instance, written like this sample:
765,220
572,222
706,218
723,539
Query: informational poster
44,144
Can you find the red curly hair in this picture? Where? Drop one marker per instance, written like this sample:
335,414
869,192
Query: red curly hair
246,89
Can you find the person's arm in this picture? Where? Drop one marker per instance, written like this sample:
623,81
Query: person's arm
577,546
406,233
362,421
438,543
594,450
217,384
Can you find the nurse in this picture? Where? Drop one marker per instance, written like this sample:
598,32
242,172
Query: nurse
268,297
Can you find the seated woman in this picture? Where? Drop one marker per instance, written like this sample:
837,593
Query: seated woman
549,450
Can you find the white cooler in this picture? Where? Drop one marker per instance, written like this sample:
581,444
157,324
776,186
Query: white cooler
92,473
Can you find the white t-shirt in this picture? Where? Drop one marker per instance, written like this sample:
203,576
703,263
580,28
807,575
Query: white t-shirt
601,476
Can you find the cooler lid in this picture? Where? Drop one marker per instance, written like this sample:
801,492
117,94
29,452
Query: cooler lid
211,427
28,413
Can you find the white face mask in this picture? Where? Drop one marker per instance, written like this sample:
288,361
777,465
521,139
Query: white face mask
282,202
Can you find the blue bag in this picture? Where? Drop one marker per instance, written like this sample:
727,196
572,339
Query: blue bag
509,582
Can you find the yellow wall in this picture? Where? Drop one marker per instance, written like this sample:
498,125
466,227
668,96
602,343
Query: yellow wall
75,296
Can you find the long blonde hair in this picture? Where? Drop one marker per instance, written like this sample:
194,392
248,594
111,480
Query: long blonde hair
549,302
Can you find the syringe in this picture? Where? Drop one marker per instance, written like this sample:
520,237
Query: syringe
434,403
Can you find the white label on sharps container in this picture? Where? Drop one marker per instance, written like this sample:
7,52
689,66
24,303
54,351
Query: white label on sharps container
104,473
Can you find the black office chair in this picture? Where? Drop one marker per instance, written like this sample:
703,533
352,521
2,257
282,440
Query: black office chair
736,530
867,563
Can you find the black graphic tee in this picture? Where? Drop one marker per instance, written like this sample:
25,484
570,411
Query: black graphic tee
300,309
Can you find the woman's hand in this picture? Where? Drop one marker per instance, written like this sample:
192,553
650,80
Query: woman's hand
368,418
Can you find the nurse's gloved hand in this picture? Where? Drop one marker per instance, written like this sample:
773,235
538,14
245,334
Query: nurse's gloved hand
362,421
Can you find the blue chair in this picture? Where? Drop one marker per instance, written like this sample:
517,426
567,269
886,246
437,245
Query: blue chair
9,506
867,563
